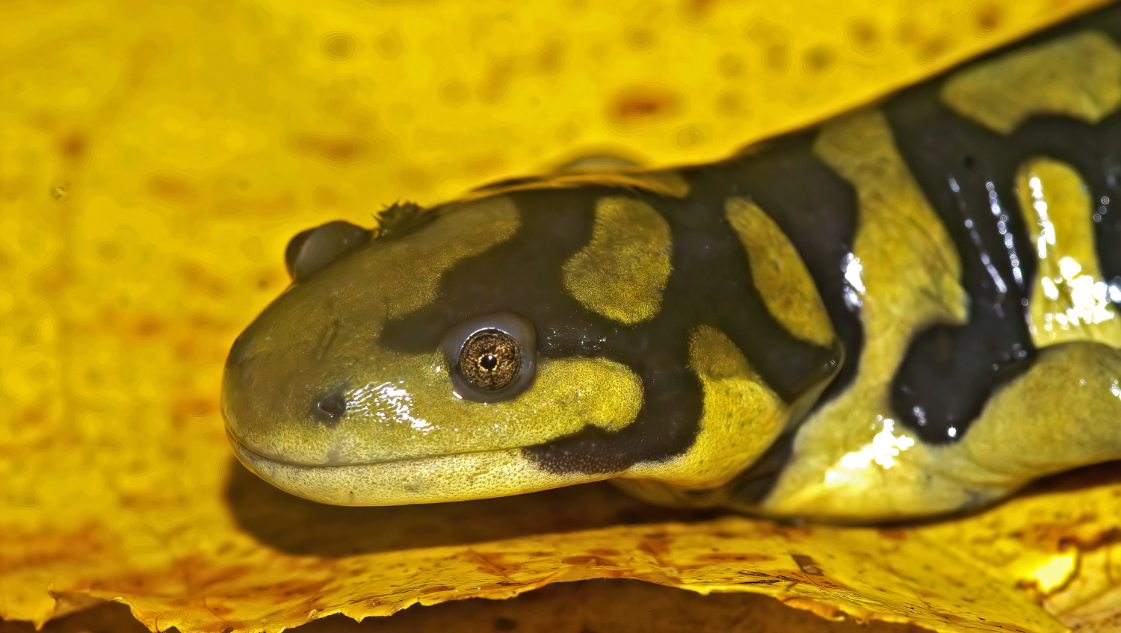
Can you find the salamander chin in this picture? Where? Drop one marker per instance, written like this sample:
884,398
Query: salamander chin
435,479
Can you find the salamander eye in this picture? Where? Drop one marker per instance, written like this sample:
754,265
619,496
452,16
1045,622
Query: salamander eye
313,249
492,358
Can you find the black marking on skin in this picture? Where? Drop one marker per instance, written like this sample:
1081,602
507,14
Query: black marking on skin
329,409
523,275
816,209
710,284
951,371
1106,180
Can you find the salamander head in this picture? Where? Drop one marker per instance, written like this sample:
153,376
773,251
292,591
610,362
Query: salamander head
484,348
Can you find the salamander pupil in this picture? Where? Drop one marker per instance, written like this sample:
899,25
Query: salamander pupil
490,359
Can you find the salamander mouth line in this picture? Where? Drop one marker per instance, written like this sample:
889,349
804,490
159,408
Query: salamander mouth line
247,454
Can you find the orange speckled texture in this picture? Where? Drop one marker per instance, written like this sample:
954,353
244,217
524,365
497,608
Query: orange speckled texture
156,157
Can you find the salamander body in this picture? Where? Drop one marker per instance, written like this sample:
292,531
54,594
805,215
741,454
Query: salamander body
909,310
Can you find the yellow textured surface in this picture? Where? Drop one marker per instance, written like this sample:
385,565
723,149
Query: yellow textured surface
156,157
619,606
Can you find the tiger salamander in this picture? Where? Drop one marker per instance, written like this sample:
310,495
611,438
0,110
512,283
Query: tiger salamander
909,310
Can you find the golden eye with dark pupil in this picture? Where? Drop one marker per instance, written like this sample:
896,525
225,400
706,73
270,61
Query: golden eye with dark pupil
491,359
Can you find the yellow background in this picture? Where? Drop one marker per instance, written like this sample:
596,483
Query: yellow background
156,157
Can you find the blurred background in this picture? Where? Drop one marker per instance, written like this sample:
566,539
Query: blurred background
156,157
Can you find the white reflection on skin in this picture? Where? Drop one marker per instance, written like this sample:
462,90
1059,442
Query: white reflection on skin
1001,288
1089,299
390,403
883,450
1047,230
854,285
1002,227
1050,289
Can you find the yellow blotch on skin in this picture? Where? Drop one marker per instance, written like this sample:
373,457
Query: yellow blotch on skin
779,274
477,226
622,272
1069,300
741,417
1076,76
904,272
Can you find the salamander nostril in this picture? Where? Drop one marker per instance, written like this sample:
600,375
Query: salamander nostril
330,409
